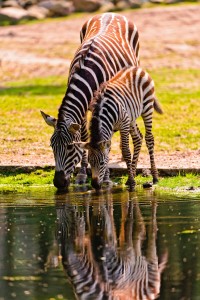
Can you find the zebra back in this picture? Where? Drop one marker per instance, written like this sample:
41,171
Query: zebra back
109,43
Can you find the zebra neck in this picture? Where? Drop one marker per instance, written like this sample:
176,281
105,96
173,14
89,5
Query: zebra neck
108,118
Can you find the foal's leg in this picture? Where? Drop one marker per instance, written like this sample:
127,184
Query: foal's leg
150,144
82,174
137,142
127,157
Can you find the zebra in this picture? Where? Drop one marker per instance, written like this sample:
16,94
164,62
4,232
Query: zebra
116,106
102,265
109,42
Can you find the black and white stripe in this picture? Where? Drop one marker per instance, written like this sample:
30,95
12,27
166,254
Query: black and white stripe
117,105
109,43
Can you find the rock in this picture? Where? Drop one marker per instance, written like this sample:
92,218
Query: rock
147,185
14,14
87,5
38,12
135,3
146,172
108,6
10,3
57,8
121,5
27,3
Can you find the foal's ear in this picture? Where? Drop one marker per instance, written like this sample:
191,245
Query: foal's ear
104,145
83,145
74,127
51,121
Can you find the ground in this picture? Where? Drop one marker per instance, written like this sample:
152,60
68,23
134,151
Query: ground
169,37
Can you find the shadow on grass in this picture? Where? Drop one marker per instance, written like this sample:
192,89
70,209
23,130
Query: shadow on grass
14,171
31,90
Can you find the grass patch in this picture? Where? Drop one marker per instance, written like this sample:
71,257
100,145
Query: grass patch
175,182
36,178
21,121
19,181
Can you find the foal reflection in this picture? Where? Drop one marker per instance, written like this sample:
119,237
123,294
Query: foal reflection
102,264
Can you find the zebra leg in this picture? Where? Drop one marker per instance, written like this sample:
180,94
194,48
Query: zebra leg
150,145
106,178
137,142
127,157
81,177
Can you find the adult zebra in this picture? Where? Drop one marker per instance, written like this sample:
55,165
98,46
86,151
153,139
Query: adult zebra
109,42
117,105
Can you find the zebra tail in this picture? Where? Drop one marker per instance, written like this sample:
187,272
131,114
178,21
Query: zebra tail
157,106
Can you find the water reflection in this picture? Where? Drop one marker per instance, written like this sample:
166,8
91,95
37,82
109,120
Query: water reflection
109,254
106,237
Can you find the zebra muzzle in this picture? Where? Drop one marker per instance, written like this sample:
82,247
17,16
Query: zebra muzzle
61,181
96,183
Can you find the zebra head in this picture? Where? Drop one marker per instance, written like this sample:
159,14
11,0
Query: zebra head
98,159
67,154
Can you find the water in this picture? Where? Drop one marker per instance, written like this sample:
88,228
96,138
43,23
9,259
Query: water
116,243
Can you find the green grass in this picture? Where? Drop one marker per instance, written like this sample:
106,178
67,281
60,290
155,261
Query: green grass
18,181
186,182
178,129
38,177
22,126
179,93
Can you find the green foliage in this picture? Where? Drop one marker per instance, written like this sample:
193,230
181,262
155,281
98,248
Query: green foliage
38,177
19,181
187,182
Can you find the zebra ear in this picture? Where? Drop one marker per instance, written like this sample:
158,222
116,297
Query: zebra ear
51,121
104,145
74,127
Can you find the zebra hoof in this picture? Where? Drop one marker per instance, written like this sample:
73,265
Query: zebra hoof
81,179
155,180
131,184
147,185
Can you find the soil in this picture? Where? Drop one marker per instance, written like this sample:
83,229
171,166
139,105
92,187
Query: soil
169,37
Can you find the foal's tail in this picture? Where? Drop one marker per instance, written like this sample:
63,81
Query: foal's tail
157,106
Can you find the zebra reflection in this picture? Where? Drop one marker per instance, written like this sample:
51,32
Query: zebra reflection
101,264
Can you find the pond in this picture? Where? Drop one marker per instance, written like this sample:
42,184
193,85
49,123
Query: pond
111,245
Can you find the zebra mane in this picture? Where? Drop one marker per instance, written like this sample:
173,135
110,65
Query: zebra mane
95,124
80,59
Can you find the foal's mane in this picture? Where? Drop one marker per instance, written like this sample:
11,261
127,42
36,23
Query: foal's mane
95,124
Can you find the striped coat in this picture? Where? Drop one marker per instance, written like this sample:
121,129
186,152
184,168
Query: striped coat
109,42
117,105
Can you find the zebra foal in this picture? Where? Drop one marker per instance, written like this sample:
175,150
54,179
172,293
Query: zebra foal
116,106
109,42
